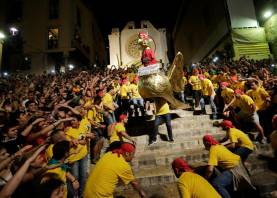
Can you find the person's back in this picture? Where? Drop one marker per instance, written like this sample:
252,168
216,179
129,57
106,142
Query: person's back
107,101
220,156
237,136
105,175
115,133
259,96
245,103
206,87
134,90
227,95
192,185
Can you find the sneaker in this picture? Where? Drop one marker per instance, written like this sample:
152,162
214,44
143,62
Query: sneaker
171,140
263,141
152,142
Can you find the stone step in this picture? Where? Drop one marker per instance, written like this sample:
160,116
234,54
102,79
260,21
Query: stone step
159,175
164,174
169,190
181,135
265,183
164,159
178,145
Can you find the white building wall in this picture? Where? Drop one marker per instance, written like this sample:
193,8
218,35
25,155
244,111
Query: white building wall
114,47
130,34
242,13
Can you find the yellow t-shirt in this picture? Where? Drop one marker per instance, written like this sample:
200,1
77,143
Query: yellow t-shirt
206,87
60,173
259,96
245,103
192,185
81,150
104,177
214,80
237,136
185,80
116,136
88,103
131,76
227,95
196,83
206,74
133,88
96,116
222,77
220,156
239,85
49,152
162,107
85,126
107,101
124,89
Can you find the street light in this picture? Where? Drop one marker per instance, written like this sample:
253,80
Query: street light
71,66
215,59
5,73
2,35
13,30
268,14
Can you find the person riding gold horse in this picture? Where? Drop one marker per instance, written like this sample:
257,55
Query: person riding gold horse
153,82
148,55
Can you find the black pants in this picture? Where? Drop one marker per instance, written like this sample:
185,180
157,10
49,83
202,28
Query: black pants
125,106
159,118
197,96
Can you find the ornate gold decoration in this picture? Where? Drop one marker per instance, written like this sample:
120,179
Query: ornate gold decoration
133,49
158,85
175,73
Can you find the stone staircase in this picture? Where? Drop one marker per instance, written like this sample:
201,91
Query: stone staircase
152,164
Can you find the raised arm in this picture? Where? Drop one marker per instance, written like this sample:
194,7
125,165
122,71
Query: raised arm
47,129
13,183
28,129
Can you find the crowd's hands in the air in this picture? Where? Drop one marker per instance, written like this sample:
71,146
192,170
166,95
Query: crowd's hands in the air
14,182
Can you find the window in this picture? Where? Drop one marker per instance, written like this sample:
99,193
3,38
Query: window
78,14
53,9
53,38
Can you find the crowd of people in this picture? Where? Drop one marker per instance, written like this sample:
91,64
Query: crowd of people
52,126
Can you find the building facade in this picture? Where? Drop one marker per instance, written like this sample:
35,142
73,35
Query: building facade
125,50
266,12
52,34
205,27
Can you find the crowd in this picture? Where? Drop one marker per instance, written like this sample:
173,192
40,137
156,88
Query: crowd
52,126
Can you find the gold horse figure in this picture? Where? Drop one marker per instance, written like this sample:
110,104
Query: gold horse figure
159,85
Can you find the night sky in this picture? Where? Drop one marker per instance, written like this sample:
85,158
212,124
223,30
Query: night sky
116,13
